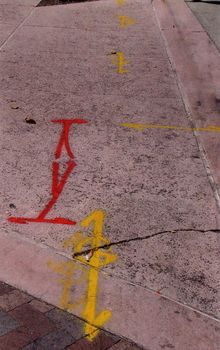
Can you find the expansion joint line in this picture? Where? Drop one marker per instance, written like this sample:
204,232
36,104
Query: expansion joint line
136,239
15,29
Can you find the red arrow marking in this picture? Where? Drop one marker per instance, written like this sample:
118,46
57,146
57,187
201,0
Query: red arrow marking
57,185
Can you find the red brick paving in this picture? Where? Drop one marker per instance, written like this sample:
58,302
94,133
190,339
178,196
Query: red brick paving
36,322
56,340
7,323
68,322
124,345
5,288
103,341
41,306
13,299
27,323
15,339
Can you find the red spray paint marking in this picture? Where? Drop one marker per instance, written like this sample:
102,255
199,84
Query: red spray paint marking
64,138
57,185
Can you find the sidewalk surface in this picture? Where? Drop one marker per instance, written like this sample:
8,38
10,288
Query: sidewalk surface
110,165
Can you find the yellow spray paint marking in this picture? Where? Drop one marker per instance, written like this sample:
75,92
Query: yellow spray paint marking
78,242
155,126
120,2
99,259
67,269
119,60
125,21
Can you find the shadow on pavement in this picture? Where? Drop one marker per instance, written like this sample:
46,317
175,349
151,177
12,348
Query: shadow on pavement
60,2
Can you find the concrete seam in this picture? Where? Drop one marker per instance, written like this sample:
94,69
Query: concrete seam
17,27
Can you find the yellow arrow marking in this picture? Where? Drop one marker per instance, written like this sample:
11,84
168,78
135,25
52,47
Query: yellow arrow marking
98,260
79,242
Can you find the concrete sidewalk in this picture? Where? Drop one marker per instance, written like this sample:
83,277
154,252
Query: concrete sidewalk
109,208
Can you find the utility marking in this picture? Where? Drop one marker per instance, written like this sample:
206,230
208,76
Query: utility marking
142,127
99,259
67,269
120,2
58,180
118,59
125,21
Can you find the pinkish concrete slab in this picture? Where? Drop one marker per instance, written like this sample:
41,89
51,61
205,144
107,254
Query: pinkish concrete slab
144,60
41,106
152,320
95,16
182,265
5,31
104,21
77,42
136,187
20,2
12,14
36,71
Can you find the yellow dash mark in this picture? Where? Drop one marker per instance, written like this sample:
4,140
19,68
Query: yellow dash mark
155,126
118,59
125,21
120,2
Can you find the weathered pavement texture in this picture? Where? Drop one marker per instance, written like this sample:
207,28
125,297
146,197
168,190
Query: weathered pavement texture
28,323
151,188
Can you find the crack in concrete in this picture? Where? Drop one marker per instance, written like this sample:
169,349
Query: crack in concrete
136,239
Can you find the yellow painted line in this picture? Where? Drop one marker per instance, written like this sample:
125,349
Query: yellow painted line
66,270
125,21
142,127
118,59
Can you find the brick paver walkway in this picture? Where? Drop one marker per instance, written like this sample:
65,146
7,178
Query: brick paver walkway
27,323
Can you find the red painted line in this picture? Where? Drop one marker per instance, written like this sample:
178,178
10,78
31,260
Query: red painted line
20,220
57,186
64,138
